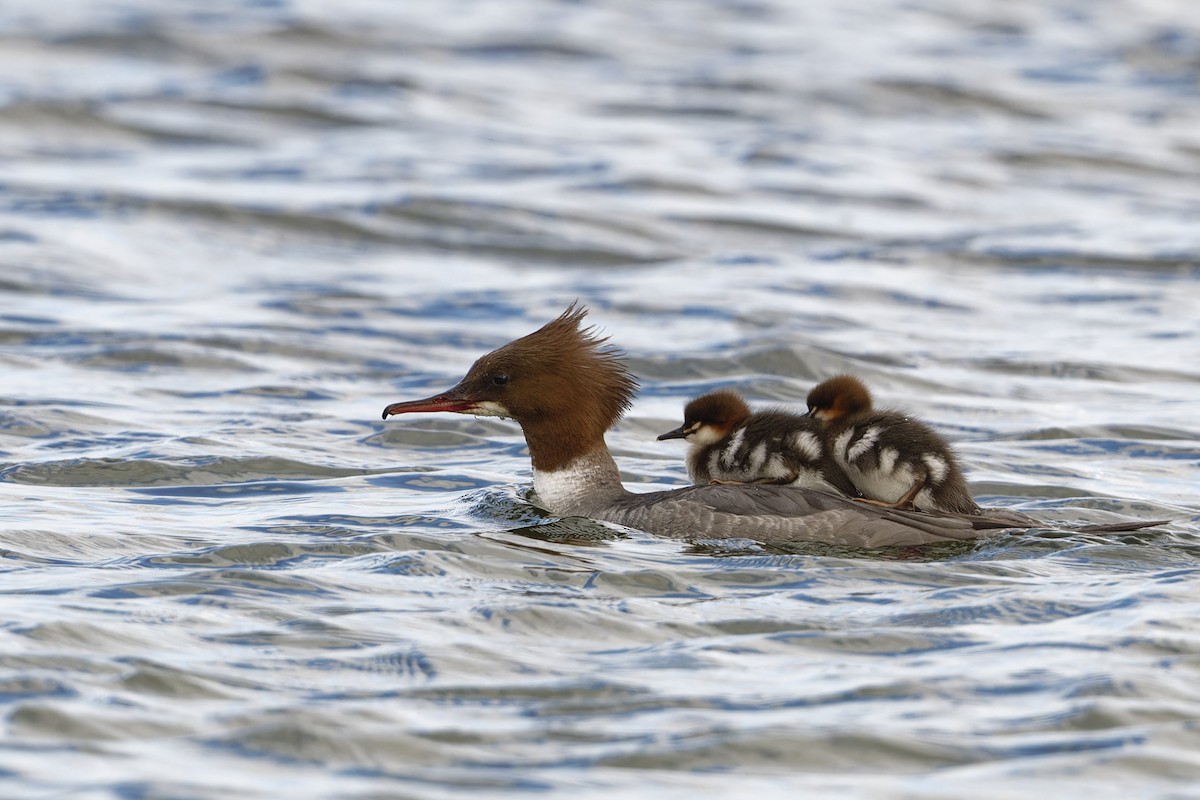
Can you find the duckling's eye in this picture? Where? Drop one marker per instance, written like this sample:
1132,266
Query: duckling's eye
500,378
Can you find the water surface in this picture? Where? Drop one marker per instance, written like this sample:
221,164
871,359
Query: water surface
232,232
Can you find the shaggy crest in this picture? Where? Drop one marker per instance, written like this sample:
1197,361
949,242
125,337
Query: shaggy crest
562,383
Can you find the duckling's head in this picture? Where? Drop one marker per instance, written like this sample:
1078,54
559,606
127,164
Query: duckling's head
838,397
710,417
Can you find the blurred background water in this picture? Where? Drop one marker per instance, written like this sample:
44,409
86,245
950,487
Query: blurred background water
231,232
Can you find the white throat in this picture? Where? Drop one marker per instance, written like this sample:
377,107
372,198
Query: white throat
581,487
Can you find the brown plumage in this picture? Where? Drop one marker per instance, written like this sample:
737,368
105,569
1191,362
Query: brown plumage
731,444
892,458
562,383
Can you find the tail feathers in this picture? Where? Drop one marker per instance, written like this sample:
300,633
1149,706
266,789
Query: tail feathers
998,518
1122,527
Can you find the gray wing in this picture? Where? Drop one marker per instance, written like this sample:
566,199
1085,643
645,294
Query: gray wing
782,513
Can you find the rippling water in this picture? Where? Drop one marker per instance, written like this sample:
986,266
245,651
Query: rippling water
231,232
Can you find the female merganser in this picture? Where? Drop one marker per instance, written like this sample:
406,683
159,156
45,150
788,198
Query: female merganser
894,460
565,389
729,444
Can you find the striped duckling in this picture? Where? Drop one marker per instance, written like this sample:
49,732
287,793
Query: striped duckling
894,460
732,444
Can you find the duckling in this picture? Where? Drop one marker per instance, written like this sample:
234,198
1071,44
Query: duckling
731,444
894,460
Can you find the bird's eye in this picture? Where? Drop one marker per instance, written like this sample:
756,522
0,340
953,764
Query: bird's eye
500,379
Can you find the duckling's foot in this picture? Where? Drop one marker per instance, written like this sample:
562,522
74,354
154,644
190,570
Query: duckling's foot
900,505
904,503
775,481
760,481
784,481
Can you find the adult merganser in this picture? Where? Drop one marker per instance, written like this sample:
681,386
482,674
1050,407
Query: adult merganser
895,460
565,388
729,444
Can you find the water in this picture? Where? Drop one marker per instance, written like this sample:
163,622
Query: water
231,233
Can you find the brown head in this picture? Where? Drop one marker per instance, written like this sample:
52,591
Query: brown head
710,417
840,396
561,383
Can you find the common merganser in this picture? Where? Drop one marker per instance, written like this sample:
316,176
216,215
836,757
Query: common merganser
895,460
730,444
565,388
